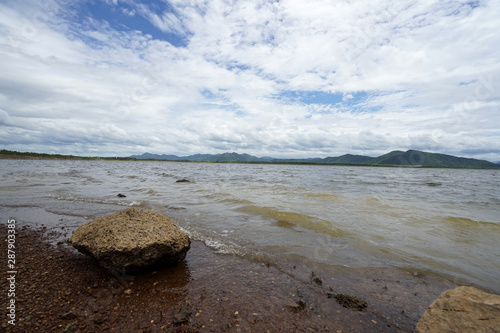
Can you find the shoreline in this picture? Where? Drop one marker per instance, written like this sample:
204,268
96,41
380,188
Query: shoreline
127,159
59,289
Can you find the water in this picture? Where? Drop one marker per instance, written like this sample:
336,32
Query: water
433,221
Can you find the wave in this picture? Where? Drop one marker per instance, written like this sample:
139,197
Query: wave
222,246
324,195
294,220
300,191
109,201
223,197
146,191
469,223
433,183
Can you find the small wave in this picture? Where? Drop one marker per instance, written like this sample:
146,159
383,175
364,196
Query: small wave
145,191
469,223
324,195
222,246
174,207
236,201
284,224
91,180
294,220
70,173
143,204
223,197
163,174
67,197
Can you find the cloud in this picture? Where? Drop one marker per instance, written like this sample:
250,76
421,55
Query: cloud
366,77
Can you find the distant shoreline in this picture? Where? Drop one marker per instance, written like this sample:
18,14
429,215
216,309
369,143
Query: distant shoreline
14,155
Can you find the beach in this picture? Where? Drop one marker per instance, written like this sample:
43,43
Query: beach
60,290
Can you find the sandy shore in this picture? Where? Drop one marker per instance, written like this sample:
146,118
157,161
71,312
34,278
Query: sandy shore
60,290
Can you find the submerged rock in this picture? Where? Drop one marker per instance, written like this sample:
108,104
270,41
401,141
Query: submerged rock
463,309
132,240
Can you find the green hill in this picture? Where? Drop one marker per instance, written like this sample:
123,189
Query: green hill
349,159
424,159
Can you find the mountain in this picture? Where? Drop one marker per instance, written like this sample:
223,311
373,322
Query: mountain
226,157
149,156
409,158
433,160
349,159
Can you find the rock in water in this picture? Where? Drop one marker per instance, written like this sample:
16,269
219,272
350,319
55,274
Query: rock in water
132,240
463,309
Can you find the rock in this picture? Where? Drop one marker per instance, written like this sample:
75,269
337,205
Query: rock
184,180
98,321
132,240
69,327
292,305
299,305
68,316
349,301
463,309
182,317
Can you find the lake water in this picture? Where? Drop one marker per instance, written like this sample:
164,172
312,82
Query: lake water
428,221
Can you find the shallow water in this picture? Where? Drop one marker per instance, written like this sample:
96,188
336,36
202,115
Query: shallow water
439,221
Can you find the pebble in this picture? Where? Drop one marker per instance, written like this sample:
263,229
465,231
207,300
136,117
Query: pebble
68,316
69,327
292,305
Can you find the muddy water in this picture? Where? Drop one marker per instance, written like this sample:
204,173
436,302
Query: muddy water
430,221
394,237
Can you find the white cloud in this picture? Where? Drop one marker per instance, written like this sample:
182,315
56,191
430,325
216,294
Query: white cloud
421,75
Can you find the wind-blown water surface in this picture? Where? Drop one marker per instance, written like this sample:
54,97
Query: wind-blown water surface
444,221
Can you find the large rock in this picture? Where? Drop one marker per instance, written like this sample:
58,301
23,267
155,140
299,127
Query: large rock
463,309
132,240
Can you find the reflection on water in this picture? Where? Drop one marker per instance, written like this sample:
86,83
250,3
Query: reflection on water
437,220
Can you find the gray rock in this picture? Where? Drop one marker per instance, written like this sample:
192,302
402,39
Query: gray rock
132,240
463,309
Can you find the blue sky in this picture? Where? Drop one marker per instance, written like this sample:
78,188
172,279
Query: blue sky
289,78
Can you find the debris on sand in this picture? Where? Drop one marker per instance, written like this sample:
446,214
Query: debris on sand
349,301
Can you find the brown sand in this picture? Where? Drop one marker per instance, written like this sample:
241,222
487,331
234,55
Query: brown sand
60,290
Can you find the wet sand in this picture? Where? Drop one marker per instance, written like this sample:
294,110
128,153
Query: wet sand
59,289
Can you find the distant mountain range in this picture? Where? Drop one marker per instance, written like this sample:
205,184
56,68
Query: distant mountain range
409,158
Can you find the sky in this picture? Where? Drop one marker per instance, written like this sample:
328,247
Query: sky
283,78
